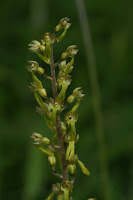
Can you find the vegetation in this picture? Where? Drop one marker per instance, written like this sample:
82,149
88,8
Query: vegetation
24,172
61,147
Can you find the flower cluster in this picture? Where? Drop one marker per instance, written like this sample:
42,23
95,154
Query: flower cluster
65,134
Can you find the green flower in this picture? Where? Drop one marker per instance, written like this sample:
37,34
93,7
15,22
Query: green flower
63,24
67,188
78,93
37,86
39,139
63,83
35,45
33,66
70,151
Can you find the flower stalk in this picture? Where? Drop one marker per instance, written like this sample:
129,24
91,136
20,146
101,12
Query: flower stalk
65,136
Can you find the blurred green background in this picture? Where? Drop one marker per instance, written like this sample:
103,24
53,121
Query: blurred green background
24,171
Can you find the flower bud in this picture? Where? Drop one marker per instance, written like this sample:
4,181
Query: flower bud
70,99
71,168
42,47
40,70
64,56
47,38
43,93
52,160
45,140
58,28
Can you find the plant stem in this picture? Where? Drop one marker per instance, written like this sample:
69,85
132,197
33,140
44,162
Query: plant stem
58,126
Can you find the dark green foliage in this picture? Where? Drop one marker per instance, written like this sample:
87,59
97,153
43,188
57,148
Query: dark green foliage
111,28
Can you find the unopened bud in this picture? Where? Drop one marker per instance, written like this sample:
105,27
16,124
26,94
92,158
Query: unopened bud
52,160
71,169
40,70
70,99
43,93
47,38
64,55
45,140
58,28
42,48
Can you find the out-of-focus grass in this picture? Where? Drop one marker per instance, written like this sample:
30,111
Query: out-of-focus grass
25,173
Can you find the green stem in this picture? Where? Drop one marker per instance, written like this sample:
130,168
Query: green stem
58,126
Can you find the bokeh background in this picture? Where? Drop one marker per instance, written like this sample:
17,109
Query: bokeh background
24,171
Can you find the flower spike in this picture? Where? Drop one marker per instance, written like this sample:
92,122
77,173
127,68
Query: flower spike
60,148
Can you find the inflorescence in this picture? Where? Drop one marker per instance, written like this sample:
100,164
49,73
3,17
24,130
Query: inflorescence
65,135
